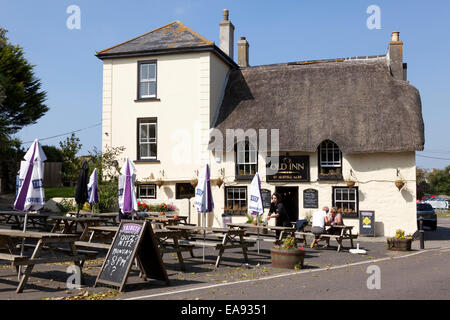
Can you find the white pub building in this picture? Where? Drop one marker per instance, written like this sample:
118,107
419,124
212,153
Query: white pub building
170,93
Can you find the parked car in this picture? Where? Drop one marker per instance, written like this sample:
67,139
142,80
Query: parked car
429,215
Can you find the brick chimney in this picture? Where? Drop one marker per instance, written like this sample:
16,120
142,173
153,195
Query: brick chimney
395,55
243,52
226,35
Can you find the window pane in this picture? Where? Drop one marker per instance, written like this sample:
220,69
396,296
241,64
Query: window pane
153,150
152,88
144,71
144,151
152,130
144,133
152,71
143,89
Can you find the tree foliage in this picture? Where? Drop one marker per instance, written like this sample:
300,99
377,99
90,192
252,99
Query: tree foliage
71,165
22,100
437,182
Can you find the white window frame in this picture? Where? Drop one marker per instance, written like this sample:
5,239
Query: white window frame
146,187
348,201
244,148
330,148
147,80
239,199
149,140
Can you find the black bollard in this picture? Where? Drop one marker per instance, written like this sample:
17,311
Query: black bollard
421,233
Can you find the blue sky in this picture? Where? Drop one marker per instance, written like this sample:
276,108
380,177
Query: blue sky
278,31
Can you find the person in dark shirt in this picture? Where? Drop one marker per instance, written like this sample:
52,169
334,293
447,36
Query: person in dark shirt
278,211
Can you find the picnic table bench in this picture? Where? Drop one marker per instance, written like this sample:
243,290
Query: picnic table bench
284,231
167,221
168,241
108,218
228,238
345,234
68,224
17,219
50,240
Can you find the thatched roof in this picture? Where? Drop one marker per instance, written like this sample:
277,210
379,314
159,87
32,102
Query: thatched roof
355,103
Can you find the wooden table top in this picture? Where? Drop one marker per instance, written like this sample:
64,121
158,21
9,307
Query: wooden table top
79,219
30,214
166,219
36,234
252,226
201,229
98,215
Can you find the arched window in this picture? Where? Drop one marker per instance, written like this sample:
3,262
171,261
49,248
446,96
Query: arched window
330,161
246,160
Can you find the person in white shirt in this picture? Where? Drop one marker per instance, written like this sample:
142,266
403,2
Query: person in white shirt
319,220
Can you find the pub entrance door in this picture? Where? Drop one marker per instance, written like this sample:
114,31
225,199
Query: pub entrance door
289,198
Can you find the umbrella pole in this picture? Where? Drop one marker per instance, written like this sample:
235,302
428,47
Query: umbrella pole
204,234
25,221
257,224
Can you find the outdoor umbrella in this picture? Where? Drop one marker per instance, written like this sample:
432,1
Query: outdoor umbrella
203,199
127,197
30,193
255,205
81,192
93,189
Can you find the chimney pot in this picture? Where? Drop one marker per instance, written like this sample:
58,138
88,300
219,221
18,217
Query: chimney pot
242,38
243,47
396,36
225,14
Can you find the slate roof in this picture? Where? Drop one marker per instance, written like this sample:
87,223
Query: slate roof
355,103
172,38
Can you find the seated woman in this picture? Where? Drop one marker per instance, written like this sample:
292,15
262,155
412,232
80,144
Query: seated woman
335,219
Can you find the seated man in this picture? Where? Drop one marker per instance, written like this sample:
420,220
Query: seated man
319,220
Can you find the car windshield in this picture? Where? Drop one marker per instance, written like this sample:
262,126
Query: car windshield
424,207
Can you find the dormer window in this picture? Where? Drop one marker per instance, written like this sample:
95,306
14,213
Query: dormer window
330,161
146,80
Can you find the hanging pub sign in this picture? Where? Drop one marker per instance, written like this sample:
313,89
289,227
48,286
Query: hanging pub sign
367,223
310,199
288,168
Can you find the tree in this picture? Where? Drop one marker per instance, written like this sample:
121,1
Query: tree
71,165
439,181
54,154
22,100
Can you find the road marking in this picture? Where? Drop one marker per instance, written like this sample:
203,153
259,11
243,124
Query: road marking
283,275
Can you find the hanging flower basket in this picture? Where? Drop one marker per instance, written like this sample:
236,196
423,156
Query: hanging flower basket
219,182
350,183
159,182
194,182
399,184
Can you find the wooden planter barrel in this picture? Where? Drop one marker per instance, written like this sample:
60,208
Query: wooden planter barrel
286,258
399,244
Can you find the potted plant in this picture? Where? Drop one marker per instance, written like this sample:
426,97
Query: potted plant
194,182
399,242
250,218
399,184
286,254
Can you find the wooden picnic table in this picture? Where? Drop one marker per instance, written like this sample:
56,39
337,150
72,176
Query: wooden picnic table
168,241
17,219
167,221
229,238
109,218
45,239
65,224
284,231
344,234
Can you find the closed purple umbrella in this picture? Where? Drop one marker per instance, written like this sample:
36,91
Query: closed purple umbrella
127,196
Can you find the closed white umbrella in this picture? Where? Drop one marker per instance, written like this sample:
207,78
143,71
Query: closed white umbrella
256,205
203,198
30,194
93,189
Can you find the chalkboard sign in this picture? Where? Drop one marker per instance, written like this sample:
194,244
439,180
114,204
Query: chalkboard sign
134,239
266,198
310,198
367,223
